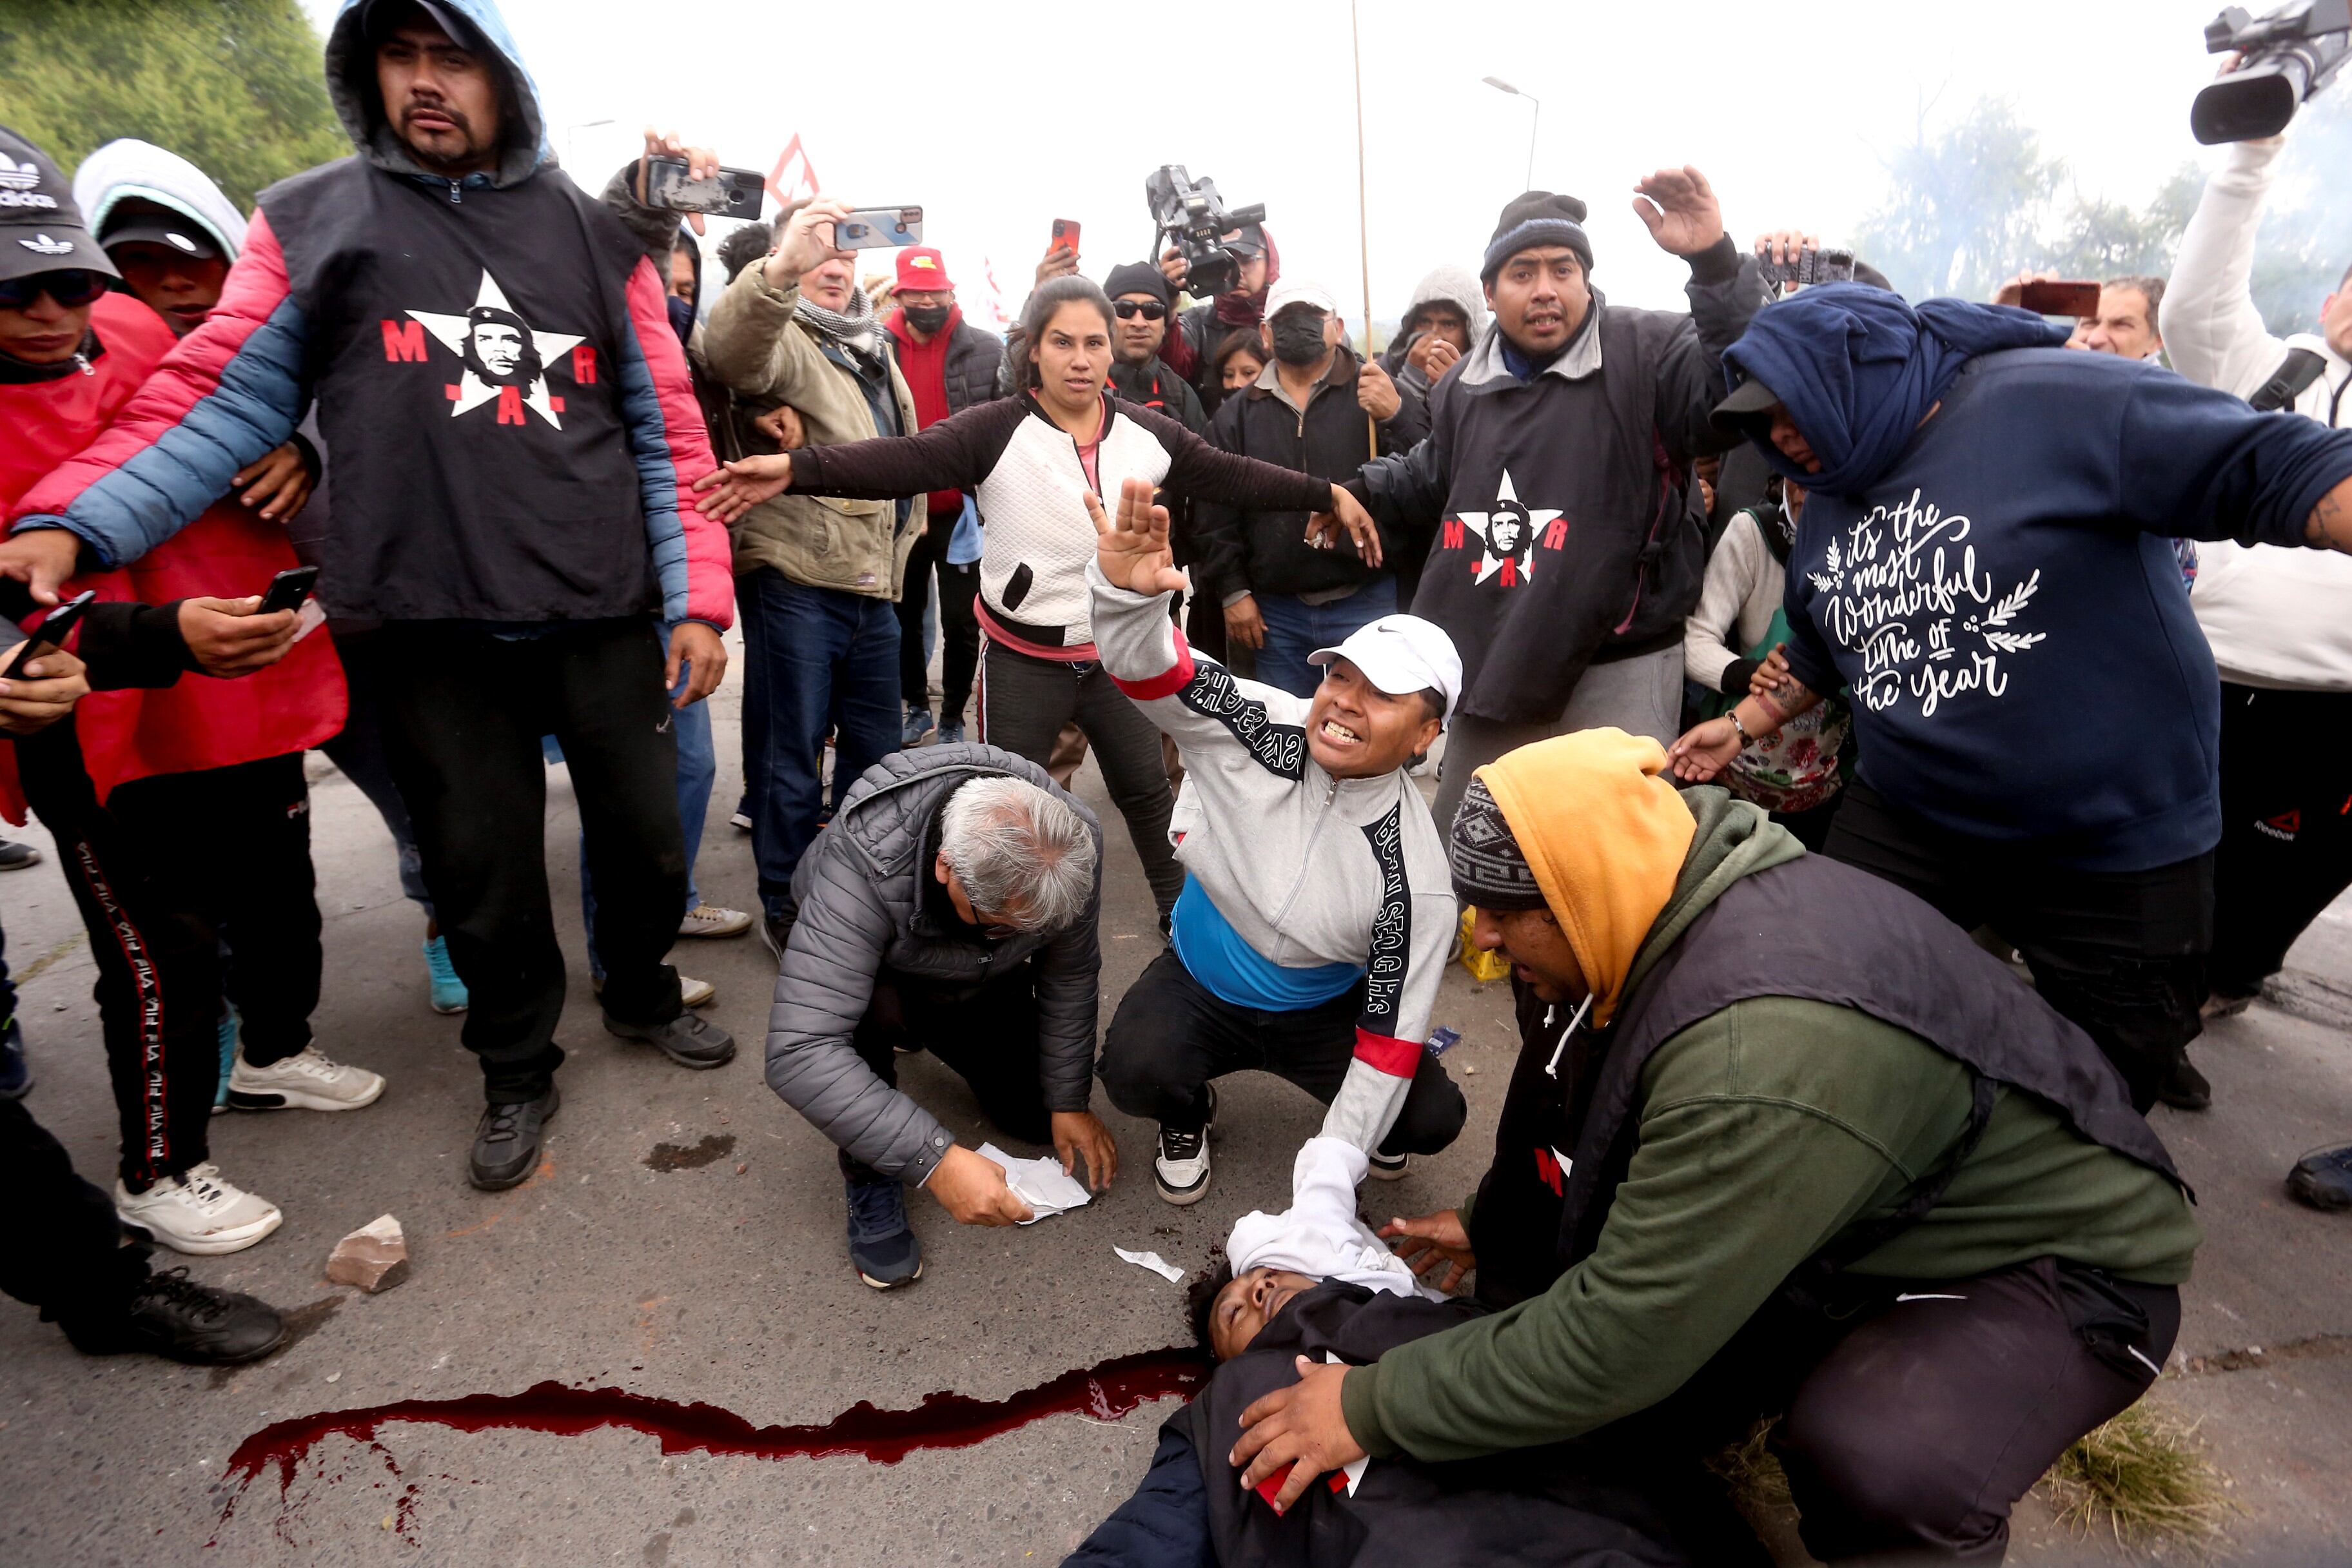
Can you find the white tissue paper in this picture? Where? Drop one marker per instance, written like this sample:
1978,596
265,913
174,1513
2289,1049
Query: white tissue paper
1153,1261
1041,1183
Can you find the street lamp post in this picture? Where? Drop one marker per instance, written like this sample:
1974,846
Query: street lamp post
1500,85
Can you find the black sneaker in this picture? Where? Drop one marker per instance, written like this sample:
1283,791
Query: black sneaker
15,857
171,1315
16,1072
1179,1166
2225,1005
882,1245
2184,1087
689,1039
2323,1179
776,929
505,1141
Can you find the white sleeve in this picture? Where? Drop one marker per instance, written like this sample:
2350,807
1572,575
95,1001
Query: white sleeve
1730,578
2212,331
1198,703
1323,1183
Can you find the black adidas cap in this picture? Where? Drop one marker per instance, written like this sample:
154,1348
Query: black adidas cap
40,228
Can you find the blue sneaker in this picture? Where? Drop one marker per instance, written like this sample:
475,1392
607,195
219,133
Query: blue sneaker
448,991
951,734
918,725
882,1245
16,1072
227,1056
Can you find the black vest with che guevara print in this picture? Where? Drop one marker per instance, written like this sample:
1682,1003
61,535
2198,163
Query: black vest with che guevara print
1812,929
467,348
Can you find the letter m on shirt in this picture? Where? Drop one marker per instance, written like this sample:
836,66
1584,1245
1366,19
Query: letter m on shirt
404,343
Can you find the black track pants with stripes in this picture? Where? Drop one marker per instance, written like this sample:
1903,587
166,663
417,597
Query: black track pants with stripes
158,983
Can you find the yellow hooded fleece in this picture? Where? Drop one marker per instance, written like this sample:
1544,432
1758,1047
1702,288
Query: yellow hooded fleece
1606,834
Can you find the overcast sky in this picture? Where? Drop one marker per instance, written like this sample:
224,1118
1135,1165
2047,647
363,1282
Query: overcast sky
999,117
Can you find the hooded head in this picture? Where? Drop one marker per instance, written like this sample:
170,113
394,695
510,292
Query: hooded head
133,171
474,24
1246,307
1578,839
166,226
1858,369
1451,285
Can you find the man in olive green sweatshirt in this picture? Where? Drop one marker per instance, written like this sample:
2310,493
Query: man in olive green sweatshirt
1781,1139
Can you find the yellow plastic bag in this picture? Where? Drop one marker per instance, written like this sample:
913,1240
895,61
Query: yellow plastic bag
1482,964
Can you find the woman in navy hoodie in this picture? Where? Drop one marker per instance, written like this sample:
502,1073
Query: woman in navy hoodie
1986,564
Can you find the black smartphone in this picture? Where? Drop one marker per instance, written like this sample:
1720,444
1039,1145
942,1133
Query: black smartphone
1807,268
288,590
55,629
2077,297
730,193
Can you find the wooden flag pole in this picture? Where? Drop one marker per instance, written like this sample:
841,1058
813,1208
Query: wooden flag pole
1363,220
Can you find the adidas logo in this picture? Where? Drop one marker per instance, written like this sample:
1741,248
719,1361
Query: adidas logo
42,245
16,176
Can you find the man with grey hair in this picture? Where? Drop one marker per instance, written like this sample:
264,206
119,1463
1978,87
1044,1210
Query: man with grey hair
950,906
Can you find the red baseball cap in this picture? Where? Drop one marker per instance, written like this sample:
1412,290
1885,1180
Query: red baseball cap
922,271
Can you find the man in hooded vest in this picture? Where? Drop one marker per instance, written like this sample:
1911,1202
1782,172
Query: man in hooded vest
514,435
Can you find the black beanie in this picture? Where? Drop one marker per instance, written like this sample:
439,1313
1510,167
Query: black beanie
1138,278
1537,217
1490,868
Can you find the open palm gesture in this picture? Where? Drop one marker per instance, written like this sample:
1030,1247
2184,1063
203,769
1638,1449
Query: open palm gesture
1131,547
1679,208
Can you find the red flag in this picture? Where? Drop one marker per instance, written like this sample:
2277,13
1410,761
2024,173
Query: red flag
996,295
804,184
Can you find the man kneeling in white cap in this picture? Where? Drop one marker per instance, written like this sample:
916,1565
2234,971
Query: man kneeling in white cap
1317,911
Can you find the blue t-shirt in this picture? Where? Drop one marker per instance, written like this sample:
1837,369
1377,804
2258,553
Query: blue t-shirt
1213,954
2007,608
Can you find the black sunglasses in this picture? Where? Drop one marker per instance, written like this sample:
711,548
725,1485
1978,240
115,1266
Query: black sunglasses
1149,310
73,287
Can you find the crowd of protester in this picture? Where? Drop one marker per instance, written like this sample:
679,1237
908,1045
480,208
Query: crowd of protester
1786,663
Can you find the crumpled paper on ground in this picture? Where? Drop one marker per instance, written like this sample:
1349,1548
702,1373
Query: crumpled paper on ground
1153,1261
1042,1185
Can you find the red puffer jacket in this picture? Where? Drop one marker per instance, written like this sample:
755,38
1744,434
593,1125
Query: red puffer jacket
203,721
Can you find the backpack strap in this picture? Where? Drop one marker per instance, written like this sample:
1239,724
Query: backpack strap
2295,374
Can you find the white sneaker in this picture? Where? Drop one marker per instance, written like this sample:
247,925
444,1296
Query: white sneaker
1179,1165
200,1212
694,993
710,919
308,1080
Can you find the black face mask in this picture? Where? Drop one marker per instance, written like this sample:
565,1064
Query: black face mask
926,319
1299,338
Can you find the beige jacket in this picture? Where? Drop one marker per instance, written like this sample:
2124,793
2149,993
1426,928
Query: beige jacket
767,358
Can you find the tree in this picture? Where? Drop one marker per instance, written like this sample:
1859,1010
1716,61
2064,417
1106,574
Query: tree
2100,238
1962,207
233,85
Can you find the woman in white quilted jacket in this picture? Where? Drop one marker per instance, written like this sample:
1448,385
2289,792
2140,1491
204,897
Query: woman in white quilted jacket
1030,460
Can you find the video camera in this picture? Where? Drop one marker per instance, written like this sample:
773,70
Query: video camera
1195,219
2290,54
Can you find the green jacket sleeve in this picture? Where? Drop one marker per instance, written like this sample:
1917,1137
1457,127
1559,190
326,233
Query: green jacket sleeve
1749,1163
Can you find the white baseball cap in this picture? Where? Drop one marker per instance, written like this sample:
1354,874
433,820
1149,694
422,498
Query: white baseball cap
1299,292
1401,655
